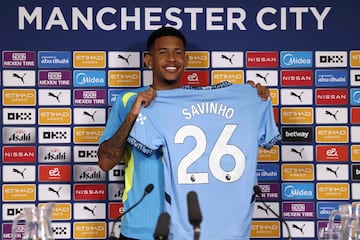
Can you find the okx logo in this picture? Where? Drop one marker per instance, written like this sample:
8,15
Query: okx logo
54,135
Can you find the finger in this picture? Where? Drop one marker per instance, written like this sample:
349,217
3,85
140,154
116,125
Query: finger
251,82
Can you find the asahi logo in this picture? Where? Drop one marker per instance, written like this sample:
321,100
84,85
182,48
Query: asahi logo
18,135
88,173
54,154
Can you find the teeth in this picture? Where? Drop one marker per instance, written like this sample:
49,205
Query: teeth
170,68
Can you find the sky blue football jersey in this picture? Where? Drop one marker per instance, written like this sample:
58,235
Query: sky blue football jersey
210,138
140,170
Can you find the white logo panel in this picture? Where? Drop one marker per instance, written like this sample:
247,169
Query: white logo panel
54,97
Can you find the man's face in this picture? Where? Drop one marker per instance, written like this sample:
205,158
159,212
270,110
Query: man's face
168,61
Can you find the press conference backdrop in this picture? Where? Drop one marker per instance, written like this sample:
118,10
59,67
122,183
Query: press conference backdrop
65,62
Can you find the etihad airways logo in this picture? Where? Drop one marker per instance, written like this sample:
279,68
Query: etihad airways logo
19,97
89,230
262,59
355,153
198,59
268,155
233,76
297,172
265,229
19,193
333,191
54,116
326,134
124,78
87,134
354,58
297,115
83,59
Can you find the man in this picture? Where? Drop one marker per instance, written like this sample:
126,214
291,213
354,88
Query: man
167,59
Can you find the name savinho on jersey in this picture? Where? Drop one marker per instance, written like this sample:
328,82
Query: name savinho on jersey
208,108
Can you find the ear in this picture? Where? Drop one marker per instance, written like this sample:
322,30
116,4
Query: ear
148,60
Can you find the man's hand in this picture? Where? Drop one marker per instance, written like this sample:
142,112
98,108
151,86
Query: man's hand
263,91
143,99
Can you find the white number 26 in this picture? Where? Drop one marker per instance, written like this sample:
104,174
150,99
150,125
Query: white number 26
220,149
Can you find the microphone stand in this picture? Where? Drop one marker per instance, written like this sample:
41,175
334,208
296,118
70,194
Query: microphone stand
147,190
258,192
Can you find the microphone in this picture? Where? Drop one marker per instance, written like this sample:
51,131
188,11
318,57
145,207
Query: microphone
148,189
162,227
257,191
194,213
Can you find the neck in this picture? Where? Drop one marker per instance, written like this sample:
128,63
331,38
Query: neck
165,85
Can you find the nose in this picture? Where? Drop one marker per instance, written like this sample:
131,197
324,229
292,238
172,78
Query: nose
170,56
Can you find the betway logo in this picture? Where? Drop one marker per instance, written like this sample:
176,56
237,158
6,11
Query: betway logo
297,134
